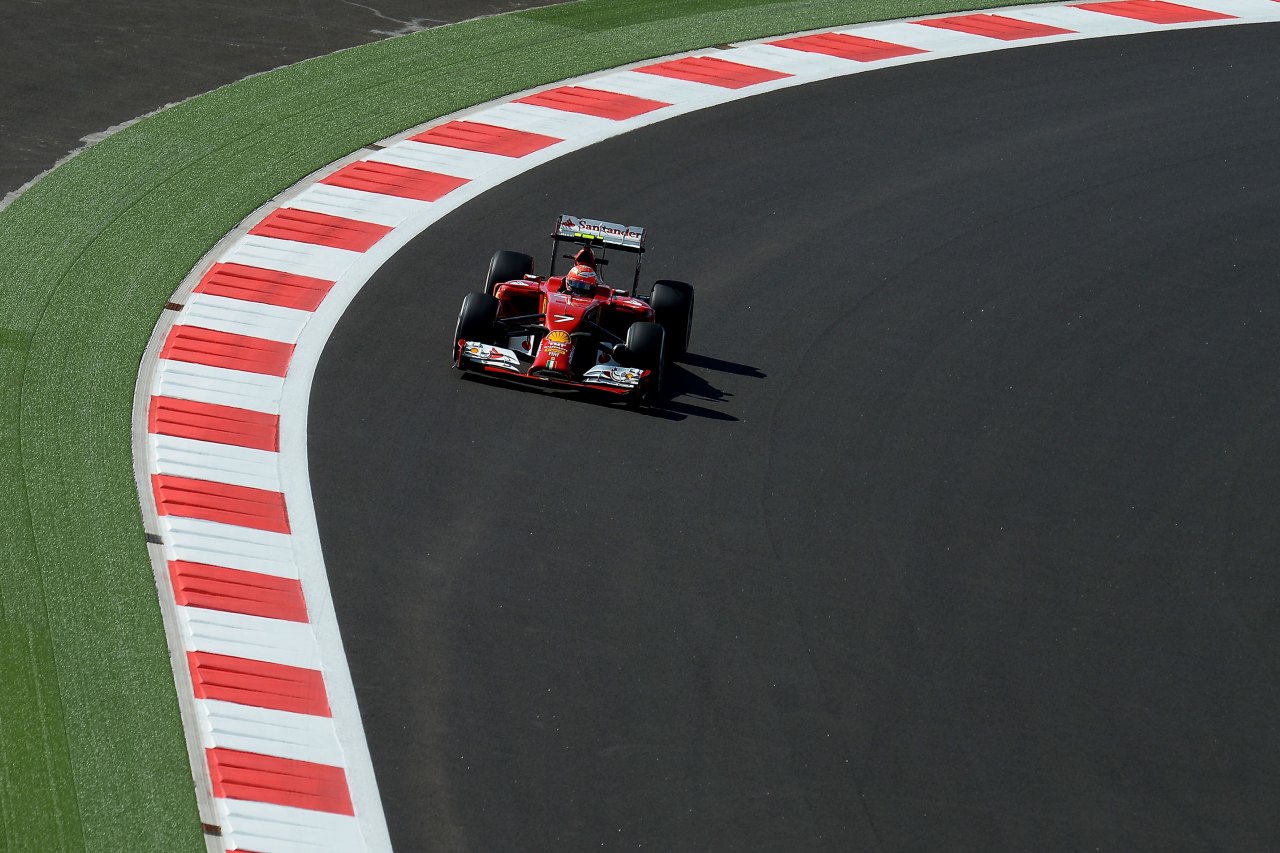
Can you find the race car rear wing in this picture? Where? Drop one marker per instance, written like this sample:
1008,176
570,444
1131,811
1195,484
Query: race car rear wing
598,234
579,229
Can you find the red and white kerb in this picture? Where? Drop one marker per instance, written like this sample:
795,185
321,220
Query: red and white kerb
271,704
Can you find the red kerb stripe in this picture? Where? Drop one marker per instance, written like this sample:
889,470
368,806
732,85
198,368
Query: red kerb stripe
184,497
260,684
224,349
994,26
235,591
486,138
321,229
390,179
253,284
282,781
713,71
578,99
1155,11
210,422
848,47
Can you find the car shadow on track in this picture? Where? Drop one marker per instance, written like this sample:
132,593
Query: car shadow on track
707,362
681,387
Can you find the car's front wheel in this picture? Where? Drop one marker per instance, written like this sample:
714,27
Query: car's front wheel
645,347
476,322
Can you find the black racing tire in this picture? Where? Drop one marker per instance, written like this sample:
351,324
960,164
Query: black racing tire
645,343
506,266
646,348
672,303
476,322
585,353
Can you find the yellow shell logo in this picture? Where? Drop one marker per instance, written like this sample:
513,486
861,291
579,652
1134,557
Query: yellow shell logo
559,336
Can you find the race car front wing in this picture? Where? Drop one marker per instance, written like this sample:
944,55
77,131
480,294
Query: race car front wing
609,376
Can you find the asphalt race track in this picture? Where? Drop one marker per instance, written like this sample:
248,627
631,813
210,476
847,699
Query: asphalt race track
958,531
71,69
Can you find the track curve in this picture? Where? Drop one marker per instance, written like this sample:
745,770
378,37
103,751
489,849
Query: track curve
955,533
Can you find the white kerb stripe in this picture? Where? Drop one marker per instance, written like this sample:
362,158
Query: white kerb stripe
219,386
221,463
301,737
658,88
228,546
1077,20
1087,23
801,63
378,208
558,123
290,256
444,160
1259,9
937,41
243,317
248,825
253,637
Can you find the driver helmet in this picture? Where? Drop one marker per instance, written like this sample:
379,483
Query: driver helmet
581,280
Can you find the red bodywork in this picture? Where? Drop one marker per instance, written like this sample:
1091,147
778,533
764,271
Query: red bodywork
567,315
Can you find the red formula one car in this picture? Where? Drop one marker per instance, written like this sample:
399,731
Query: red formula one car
571,330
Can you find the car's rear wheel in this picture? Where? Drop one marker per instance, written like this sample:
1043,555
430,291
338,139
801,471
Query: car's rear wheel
672,303
476,322
506,266
645,348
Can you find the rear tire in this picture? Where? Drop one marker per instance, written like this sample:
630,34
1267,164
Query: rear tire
506,266
672,303
476,322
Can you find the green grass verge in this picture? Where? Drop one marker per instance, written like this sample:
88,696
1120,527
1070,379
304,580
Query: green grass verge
91,749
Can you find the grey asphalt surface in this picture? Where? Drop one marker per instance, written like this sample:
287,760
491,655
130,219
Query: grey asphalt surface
73,69
958,531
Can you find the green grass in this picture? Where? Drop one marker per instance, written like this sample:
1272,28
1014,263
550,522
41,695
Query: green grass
91,748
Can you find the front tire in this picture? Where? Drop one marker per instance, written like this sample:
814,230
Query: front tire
506,266
476,322
646,348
